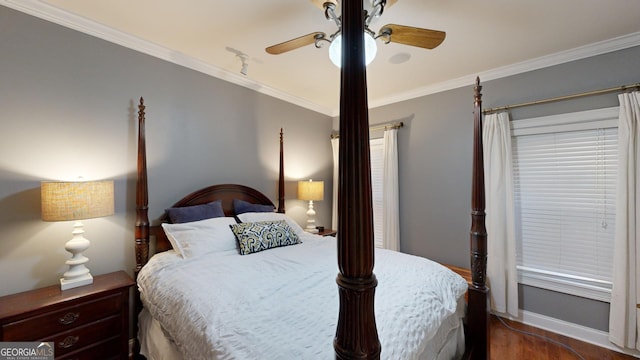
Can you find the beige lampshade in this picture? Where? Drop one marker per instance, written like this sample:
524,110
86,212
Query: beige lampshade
311,190
62,201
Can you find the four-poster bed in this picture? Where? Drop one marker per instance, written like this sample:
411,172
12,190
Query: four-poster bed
356,333
476,318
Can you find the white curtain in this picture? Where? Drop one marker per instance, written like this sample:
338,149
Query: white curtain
335,146
501,243
391,208
390,192
623,316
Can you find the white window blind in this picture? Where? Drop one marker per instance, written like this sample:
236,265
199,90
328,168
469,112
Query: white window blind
564,169
376,148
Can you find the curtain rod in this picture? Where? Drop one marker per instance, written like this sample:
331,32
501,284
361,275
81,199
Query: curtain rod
566,97
387,126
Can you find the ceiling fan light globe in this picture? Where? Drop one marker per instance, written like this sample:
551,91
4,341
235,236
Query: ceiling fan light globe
370,49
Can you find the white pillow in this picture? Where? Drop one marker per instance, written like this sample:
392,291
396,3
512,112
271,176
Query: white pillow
270,216
200,237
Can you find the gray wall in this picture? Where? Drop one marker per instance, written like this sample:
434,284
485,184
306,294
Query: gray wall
68,109
68,105
435,161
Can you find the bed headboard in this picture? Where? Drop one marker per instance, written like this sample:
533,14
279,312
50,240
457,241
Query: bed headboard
224,192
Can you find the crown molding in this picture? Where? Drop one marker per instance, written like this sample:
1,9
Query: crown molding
55,15
61,17
602,47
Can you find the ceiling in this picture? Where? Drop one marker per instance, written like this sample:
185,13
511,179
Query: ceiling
490,38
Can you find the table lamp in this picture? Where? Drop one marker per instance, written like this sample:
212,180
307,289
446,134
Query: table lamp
64,201
311,191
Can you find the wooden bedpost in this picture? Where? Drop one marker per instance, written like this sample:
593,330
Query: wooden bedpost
142,196
478,308
356,333
142,217
281,175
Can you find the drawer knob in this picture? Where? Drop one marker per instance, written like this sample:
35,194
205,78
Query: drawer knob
69,318
68,342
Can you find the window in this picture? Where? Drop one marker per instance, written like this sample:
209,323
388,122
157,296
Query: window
564,170
376,149
384,183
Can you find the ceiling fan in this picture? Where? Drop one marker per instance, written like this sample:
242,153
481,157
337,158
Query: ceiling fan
401,34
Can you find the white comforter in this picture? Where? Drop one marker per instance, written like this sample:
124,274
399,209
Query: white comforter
283,303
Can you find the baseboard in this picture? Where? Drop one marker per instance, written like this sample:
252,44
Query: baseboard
579,332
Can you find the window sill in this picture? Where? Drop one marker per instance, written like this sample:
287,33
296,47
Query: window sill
567,284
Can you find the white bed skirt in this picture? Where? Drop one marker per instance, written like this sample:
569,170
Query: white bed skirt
154,345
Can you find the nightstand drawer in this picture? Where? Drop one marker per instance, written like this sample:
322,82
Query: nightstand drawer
71,317
106,350
86,335
87,322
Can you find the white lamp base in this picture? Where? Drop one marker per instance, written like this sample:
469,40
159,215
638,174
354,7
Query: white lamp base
78,274
311,221
86,279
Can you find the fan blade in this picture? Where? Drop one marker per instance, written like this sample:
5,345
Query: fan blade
413,36
295,43
320,3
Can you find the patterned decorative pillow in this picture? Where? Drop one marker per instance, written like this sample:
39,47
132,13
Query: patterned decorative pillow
258,236
270,216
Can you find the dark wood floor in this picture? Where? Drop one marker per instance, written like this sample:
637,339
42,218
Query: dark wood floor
507,344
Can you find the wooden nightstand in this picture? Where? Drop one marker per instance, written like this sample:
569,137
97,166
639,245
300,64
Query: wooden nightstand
328,232
88,322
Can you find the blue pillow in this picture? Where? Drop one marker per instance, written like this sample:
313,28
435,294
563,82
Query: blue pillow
185,214
241,207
